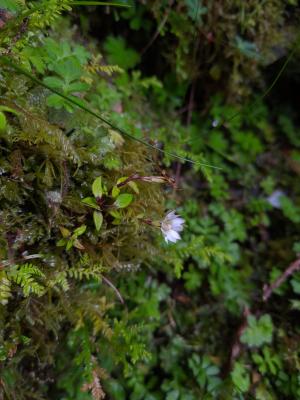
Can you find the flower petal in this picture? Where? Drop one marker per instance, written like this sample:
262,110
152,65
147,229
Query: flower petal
171,215
172,236
177,223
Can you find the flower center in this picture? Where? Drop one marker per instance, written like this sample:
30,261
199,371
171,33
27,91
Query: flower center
166,226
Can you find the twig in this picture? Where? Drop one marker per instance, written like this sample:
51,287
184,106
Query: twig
191,103
269,289
237,346
189,110
109,283
184,109
159,29
9,263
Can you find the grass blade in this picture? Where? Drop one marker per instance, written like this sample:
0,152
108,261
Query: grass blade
97,3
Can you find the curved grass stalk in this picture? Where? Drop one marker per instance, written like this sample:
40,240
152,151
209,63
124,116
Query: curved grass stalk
6,61
268,90
97,3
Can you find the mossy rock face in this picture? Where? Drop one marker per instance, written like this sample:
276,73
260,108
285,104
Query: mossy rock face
49,161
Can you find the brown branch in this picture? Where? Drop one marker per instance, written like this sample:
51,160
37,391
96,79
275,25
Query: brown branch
269,289
237,346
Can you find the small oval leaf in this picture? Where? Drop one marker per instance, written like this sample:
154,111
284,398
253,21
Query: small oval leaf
79,231
123,200
115,192
97,187
98,219
90,202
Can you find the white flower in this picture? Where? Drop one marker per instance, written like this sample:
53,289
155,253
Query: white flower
170,226
275,197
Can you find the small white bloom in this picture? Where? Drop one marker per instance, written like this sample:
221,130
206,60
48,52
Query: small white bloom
274,198
170,226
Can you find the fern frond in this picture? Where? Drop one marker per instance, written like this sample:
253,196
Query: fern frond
94,311
82,273
47,11
86,269
95,67
59,280
5,288
198,249
26,276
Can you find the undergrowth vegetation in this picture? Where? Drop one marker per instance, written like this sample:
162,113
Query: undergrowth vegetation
110,116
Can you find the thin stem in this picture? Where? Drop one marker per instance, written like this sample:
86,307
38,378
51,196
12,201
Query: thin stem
109,283
269,289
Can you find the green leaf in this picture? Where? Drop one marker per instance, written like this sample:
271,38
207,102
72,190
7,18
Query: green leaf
97,188
123,200
54,82
90,202
296,286
195,10
12,5
115,192
9,109
247,48
134,187
58,102
77,87
122,179
98,219
61,242
290,209
78,244
69,245
240,377
65,232
79,231
2,121
119,54
258,331
69,69
115,214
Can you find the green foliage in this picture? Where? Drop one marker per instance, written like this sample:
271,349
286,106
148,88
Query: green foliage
123,200
119,54
206,373
267,362
258,331
289,209
93,301
2,121
240,377
12,5
26,276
